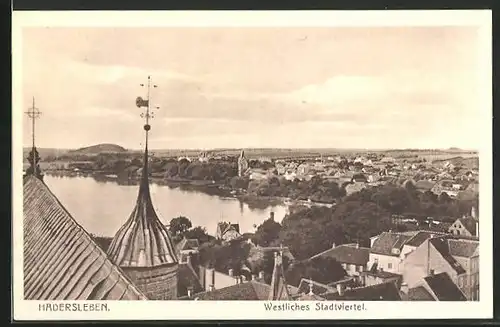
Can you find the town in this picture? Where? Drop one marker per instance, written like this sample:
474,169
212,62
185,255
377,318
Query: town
369,226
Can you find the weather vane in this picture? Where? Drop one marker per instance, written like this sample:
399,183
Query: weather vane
145,103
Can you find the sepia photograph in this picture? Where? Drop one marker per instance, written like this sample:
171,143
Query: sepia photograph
335,164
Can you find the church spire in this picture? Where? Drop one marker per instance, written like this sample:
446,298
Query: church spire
144,240
33,157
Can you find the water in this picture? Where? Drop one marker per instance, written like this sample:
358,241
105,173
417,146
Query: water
102,207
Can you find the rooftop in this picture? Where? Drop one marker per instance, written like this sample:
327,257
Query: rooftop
61,260
388,241
441,245
348,254
444,288
380,292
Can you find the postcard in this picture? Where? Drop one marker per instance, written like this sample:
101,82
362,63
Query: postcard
252,165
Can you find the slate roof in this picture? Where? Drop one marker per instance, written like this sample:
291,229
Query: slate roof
463,248
421,237
380,292
444,288
347,254
143,241
441,245
61,260
387,241
419,294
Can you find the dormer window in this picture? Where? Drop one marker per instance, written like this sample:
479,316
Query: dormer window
395,251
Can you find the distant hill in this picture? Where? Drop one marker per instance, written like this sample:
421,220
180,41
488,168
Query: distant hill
99,148
460,161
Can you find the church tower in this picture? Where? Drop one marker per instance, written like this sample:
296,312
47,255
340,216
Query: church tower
242,164
142,247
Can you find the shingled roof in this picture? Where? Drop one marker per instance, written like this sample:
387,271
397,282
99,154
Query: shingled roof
419,294
421,237
143,241
61,260
463,248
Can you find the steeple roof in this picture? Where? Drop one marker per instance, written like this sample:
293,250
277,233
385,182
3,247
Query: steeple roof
143,241
279,289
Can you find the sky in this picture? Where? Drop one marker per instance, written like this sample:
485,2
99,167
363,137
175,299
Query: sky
329,87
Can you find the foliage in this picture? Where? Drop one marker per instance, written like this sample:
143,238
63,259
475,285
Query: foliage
225,256
178,226
199,233
267,233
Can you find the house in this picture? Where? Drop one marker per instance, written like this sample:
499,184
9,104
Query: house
187,247
352,257
458,258
386,251
376,276
467,226
439,287
354,187
381,292
227,231
424,185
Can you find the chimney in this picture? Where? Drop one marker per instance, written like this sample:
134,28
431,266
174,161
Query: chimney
254,277
431,272
188,259
231,272
210,288
404,288
190,292
243,278
311,292
211,278
261,274
357,246
340,289
271,215
333,245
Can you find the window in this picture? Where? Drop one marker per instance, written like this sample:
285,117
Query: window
389,265
458,232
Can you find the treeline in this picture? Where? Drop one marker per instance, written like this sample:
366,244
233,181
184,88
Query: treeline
316,189
309,231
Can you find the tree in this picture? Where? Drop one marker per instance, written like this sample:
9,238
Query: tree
199,233
267,233
179,225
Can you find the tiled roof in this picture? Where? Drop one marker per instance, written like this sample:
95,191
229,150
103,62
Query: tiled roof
245,291
444,288
380,292
387,241
462,248
61,260
143,241
469,223
419,294
441,245
347,254
382,274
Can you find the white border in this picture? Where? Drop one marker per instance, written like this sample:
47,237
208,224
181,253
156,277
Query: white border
159,310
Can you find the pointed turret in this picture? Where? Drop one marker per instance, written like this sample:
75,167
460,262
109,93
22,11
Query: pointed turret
142,247
279,288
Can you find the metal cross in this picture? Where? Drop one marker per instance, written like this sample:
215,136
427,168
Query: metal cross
33,114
